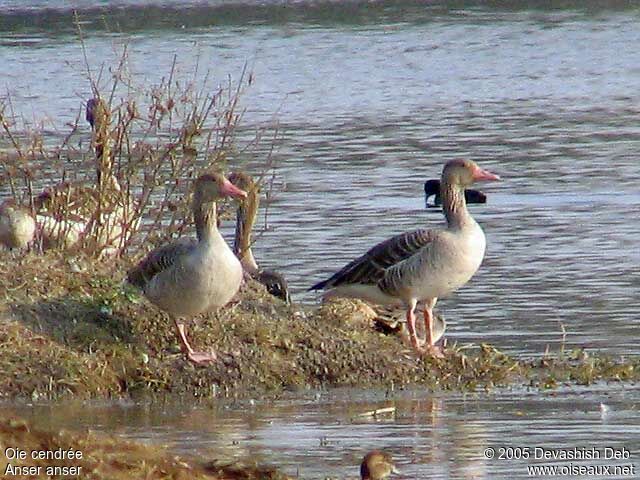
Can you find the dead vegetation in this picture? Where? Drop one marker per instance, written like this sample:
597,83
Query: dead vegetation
71,327
101,457
125,180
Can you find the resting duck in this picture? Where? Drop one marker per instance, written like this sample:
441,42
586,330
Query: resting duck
188,277
393,322
421,265
432,187
274,282
377,465
17,226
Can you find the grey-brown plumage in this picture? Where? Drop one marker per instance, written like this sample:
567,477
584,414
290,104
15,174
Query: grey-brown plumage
422,265
247,213
188,277
159,260
17,226
371,267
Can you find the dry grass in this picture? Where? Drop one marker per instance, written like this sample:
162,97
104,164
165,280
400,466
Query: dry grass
70,327
127,181
112,459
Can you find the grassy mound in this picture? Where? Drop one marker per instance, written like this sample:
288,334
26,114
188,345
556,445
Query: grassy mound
69,326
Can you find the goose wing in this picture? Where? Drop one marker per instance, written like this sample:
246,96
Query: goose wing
370,268
159,260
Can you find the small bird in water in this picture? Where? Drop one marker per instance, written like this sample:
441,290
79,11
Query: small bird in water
432,188
377,465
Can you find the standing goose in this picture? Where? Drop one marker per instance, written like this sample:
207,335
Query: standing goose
432,189
188,277
421,265
17,226
274,282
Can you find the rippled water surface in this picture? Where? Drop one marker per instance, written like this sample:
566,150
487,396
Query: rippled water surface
325,435
371,99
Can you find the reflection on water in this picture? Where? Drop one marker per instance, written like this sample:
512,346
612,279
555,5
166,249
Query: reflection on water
322,434
371,106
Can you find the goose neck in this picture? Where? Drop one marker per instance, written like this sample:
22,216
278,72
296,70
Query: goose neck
245,220
454,205
206,219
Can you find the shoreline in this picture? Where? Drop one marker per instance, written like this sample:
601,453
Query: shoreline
98,338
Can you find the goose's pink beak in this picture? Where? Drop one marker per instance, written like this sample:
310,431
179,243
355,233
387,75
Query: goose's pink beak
230,189
481,174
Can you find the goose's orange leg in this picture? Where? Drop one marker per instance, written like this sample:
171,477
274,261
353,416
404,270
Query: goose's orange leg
199,358
432,349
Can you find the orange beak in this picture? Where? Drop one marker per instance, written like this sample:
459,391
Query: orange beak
230,189
481,174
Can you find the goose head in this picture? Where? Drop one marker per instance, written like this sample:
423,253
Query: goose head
377,465
212,187
463,173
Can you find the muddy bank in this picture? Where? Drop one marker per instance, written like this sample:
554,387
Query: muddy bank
28,452
69,326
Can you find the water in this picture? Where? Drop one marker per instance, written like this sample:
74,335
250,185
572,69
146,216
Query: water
321,435
371,99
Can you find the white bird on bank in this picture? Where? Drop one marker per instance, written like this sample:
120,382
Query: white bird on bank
17,226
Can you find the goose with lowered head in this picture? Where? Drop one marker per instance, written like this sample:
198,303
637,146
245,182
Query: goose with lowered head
187,277
421,265
274,282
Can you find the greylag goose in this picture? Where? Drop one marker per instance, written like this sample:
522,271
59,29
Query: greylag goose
274,282
17,226
103,216
421,265
68,213
432,189
188,277
377,465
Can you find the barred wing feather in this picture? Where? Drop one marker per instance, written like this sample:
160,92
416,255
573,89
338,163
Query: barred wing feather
370,268
159,260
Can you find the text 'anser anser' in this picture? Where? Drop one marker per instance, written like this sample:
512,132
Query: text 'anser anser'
421,265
